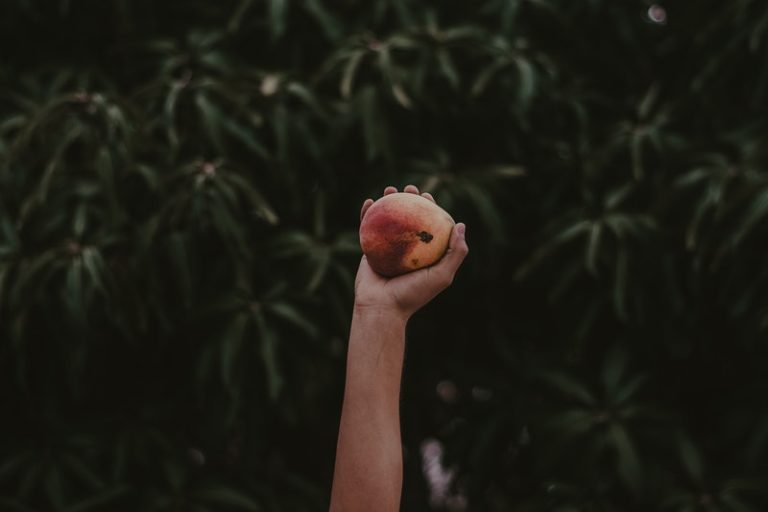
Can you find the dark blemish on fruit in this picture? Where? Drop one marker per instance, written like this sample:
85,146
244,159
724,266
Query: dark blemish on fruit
390,264
415,261
426,237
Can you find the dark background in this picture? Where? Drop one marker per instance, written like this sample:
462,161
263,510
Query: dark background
180,184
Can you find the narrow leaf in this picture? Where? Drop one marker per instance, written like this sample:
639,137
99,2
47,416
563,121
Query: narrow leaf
231,339
350,71
593,247
268,345
690,457
448,68
628,460
570,387
278,11
527,81
620,284
331,27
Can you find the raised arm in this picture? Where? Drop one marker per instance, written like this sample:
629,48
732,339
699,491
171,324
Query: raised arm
369,468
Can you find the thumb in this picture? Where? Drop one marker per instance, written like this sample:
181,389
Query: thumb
457,251
365,272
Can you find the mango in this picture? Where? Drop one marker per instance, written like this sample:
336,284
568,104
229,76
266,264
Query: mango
402,232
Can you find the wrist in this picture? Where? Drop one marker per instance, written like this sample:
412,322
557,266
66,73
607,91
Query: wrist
377,336
378,312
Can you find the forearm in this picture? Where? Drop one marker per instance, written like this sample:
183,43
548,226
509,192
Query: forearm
368,472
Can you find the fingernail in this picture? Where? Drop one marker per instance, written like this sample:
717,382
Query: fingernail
461,228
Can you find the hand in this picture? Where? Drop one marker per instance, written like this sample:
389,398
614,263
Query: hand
405,294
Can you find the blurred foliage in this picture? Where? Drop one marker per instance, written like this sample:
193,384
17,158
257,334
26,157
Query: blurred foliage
179,191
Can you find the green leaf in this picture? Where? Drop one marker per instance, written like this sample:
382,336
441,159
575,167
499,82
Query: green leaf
73,134
350,71
29,479
526,87
571,423
648,102
690,457
374,124
216,60
228,228
237,16
398,91
616,197
174,474
627,390
464,34
484,442
54,489
401,42
330,25
694,177
11,505
291,243
756,213
278,12
484,205
231,341
570,233
169,111
244,135
94,267
34,274
620,284
268,344
448,68
75,287
484,78
322,259
593,247
570,387
293,316
628,461
561,238
99,500
751,484
509,14
79,468
307,97
11,465
178,252
391,74
255,198
735,504
613,370
280,121
211,119
403,12
636,150
79,220
228,497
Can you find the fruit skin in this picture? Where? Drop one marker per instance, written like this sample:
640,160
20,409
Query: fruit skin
402,232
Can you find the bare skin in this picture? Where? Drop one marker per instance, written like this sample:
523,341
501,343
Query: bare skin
368,474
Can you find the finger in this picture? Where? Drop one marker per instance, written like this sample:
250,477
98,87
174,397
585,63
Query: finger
454,256
428,196
411,189
366,204
365,273
389,190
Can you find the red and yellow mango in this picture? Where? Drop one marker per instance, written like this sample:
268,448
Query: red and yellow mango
402,232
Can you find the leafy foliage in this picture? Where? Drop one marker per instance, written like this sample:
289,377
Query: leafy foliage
179,187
